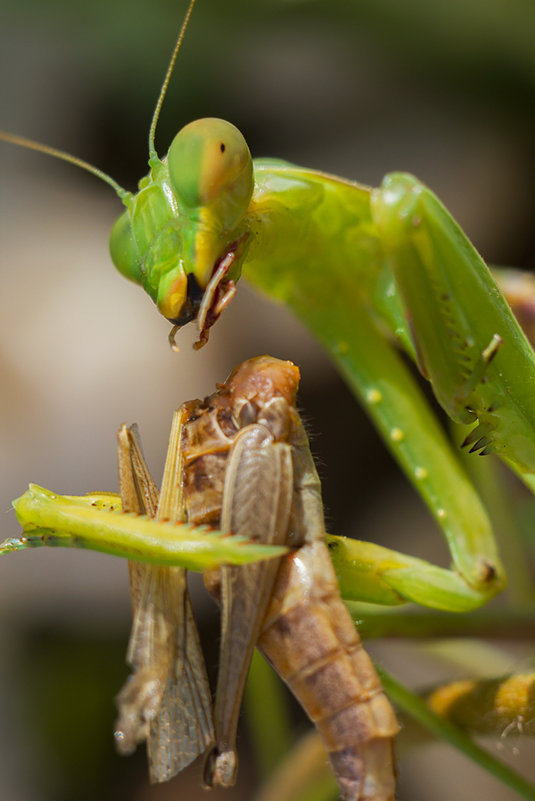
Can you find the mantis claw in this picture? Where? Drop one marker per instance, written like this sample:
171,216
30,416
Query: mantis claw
481,443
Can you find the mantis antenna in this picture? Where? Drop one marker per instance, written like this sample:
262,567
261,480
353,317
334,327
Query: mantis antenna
153,156
122,193
29,144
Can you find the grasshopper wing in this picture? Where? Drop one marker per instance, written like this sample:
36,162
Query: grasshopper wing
257,501
167,700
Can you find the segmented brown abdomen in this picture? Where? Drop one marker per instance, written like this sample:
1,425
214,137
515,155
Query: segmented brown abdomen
311,641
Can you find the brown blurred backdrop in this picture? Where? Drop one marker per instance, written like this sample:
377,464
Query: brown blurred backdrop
444,90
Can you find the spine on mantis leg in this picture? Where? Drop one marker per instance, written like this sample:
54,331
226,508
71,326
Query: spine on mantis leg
303,626
467,340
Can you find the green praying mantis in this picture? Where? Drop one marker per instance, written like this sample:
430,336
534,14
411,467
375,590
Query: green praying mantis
363,269
368,271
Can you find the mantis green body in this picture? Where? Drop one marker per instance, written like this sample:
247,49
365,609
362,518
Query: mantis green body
364,269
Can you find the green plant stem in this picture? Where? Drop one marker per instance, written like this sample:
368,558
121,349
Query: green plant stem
506,624
267,715
414,706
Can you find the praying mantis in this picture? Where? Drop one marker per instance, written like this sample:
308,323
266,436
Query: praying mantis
486,359
386,260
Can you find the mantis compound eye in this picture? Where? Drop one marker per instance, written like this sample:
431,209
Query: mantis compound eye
210,165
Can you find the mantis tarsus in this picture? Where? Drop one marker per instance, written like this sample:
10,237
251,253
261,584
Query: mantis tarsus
412,444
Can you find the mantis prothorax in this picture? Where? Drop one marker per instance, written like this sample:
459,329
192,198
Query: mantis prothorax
363,269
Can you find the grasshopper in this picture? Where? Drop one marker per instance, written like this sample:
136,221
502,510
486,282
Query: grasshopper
240,460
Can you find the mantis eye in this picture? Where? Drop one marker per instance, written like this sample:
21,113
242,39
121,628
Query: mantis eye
210,165
123,249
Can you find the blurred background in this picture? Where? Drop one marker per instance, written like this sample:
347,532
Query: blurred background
445,90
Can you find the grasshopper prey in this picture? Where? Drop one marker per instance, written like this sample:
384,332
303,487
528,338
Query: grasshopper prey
240,460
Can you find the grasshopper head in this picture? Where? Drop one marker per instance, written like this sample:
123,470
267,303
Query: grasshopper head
256,383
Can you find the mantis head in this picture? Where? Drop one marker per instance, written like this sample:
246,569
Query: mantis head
182,236
211,174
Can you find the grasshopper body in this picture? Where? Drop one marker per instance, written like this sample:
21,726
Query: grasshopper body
245,450
240,461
